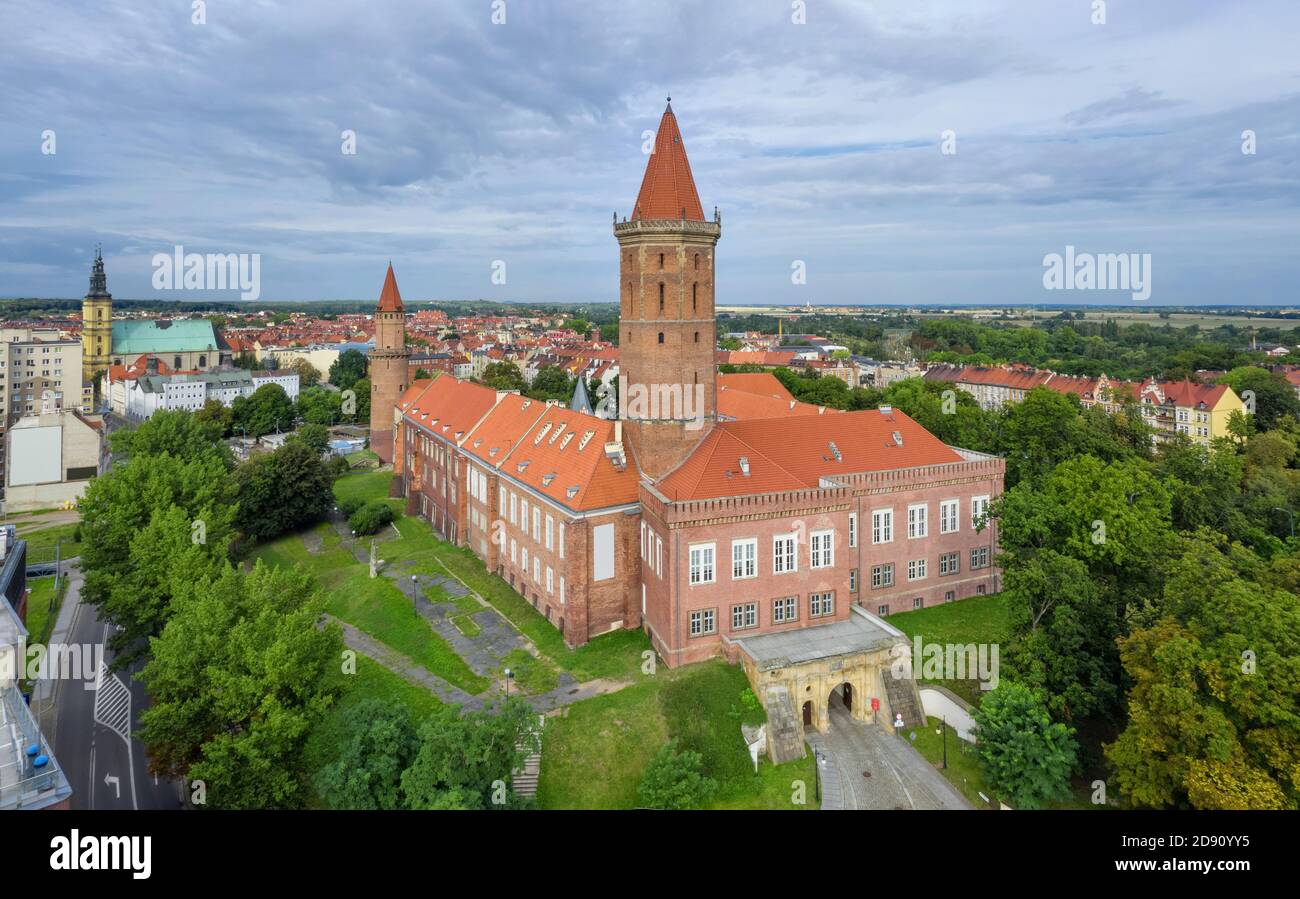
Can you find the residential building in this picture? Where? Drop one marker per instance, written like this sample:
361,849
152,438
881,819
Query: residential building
52,457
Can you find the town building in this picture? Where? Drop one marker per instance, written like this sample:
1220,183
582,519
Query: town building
52,455
144,394
30,775
389,371
725,528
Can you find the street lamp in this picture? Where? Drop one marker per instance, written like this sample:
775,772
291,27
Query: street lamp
509,675
415,607
945,742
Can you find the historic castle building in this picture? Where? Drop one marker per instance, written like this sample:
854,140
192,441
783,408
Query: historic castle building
666,312
778,542
389,371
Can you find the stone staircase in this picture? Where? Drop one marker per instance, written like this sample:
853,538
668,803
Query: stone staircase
903,697
784,736
524,779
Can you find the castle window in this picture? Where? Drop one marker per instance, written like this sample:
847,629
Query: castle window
661,260
697,260
203,362
697,336
694,293
176,362
661,336
661,296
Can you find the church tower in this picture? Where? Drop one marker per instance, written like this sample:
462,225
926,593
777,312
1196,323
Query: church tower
388,366
666,313
96,323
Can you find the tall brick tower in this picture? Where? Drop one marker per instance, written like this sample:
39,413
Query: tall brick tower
96,323
666,316
388,366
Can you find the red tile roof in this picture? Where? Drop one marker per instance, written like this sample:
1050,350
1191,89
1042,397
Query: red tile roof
451,408
390,300
668,190
786,454
742,406
762,383
563,457
504,426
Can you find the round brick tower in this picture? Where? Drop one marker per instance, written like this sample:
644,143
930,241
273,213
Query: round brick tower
667,389
388,366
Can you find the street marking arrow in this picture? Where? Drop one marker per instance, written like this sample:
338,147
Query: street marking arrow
110,780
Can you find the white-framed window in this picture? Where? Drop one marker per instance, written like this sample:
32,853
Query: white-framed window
514,551
523,559
853,530
523,515
950,596
917,603
785,609
501,496
948,511
916,570
979,507
744,616
882,526
882,575
979,557
702,563
917,524
744,559
537,524
561,589
949,563
821,604
550,580
784,558
822,544
703,622
643,541
882,611
659,556
550,532
537,570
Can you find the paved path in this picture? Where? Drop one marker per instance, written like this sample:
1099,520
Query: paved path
404,666
876,770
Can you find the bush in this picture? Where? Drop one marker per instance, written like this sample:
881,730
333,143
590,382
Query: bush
337,467
673,780
371,517
350,505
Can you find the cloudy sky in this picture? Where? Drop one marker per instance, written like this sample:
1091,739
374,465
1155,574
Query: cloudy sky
819,142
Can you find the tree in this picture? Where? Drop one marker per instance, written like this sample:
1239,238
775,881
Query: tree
283,491
361,389
1022,752
216,416
379,743
316,436
1272,394
267,410
1038,433
579,325
308,375
551,383
730,343
240,674
368,519
504,376
1065,635
319,406
1215,701
347,369
673,780
461,756
179,433
140,522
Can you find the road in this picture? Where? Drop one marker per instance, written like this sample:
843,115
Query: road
93,721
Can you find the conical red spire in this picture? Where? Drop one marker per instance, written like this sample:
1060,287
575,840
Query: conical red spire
668,190
390,300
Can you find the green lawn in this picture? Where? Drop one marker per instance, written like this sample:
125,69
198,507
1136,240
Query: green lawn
979,619
617,655
41,542
531,674
375,605
372,681
963,766
595,756
39,615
